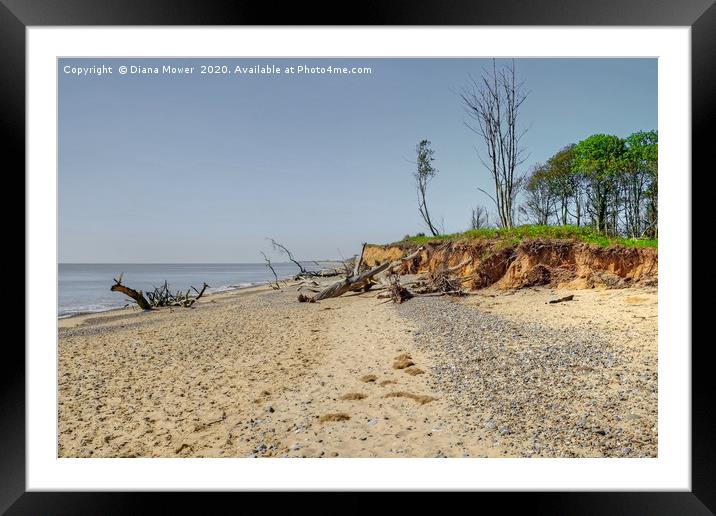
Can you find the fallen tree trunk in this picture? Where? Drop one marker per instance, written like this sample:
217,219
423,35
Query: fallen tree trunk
459,265
161,296
188,301
137,296
356,270
562,299
362,280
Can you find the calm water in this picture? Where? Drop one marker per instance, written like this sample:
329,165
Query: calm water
84,288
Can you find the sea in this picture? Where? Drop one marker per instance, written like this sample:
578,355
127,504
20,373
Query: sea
85,287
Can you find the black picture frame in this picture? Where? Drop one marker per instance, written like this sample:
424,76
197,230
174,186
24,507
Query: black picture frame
17,15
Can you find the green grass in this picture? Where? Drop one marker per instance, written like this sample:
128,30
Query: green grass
528,232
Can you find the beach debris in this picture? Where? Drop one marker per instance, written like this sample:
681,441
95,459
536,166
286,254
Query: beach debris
562,299
310,286
275,284
284,250
303,298
444,281
359,261
303,272
362,281
161,296
138,296
398,293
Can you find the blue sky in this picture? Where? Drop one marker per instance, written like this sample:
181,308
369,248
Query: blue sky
202,168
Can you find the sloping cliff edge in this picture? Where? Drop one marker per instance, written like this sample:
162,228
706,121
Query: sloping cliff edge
558,263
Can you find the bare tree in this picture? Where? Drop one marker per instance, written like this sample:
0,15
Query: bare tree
275,284
480,218
160,297
423,174
283,249
493,103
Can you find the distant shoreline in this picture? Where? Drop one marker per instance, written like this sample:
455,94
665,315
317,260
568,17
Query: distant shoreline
131,304
84,287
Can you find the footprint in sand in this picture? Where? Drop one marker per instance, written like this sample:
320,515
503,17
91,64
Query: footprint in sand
387,382
403,361
354,396
340,416
419,398
368,378
413,371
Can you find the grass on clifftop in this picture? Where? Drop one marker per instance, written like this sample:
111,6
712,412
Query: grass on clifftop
528,232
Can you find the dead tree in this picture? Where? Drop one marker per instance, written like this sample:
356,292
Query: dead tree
161,296
190,301
444,281
493,105
283,249
359,261
480,218
361,281
303,272
397,292
275,284
137,296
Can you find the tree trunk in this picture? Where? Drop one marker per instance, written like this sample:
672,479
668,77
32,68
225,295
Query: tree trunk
137,296
359,262
360,281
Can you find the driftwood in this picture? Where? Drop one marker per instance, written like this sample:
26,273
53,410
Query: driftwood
562,299
161,296
359,262
398,293
137,296
275,284
364,280
459,265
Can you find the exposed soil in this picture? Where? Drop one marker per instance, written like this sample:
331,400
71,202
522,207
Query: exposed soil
556,263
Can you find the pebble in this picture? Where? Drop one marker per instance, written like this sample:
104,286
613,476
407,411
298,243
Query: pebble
539,380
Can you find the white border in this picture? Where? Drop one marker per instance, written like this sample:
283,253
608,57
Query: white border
671,470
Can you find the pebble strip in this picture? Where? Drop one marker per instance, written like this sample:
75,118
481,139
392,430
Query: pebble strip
535,389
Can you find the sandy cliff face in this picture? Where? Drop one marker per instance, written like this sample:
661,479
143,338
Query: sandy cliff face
535,262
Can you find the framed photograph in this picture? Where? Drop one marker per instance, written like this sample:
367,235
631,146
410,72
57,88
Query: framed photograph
272,251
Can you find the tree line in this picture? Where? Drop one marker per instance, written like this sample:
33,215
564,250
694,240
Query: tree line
604,181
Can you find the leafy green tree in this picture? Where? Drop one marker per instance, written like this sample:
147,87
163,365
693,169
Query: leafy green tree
639,183
600,159
564,184
424,173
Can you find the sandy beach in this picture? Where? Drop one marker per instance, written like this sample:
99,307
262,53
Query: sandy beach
254,373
